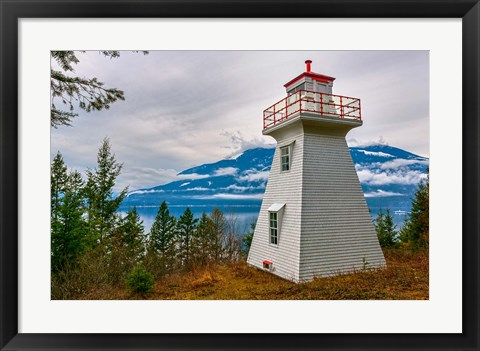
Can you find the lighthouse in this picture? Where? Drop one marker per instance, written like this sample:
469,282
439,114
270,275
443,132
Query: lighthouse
314,220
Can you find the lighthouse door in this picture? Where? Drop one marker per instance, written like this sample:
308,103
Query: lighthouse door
325,90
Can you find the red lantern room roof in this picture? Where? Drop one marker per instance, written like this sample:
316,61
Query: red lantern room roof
309,74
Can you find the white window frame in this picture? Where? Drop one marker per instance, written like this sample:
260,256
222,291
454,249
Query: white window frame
289,155
273,238
275,210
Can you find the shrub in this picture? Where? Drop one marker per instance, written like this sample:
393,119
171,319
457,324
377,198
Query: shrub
140,280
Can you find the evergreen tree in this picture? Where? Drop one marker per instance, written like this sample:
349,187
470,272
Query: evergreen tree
89,93
131,232
123,248
387,235
162,244
204,241
186,227
162,233
132,228
58,179
415,231
101,204
68,227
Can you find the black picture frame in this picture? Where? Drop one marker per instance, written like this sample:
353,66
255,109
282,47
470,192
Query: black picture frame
12,11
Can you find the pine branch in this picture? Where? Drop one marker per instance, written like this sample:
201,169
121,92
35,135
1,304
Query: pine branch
89,94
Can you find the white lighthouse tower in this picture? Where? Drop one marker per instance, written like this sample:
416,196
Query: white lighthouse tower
314,220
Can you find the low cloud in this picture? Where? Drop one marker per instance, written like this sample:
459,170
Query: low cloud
197,188
240,143
225,171
144,192
381,193
242,189
372,153
191,176
145,177
354,142
237,188
400,162
254,176
231,197
367,176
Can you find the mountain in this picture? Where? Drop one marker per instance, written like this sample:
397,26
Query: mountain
389,177
240,179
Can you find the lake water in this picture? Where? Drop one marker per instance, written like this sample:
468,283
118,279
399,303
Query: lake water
244,215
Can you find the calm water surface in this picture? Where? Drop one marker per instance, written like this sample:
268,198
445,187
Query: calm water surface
244,215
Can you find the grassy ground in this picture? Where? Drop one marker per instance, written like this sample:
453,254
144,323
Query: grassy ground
406,278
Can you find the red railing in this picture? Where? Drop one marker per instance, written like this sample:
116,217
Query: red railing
310,101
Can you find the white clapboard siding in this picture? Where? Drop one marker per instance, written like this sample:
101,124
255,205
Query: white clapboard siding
326,227
282,187
338,235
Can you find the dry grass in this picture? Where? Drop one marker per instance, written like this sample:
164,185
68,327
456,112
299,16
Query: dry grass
406,278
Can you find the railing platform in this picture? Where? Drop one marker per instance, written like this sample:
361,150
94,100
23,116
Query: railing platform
329,105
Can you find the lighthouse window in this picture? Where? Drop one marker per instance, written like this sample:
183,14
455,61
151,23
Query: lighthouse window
273,228
294,90
285,158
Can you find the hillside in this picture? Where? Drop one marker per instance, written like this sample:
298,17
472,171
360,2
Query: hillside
406,278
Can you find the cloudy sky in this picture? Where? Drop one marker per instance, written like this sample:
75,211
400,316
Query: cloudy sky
186,108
